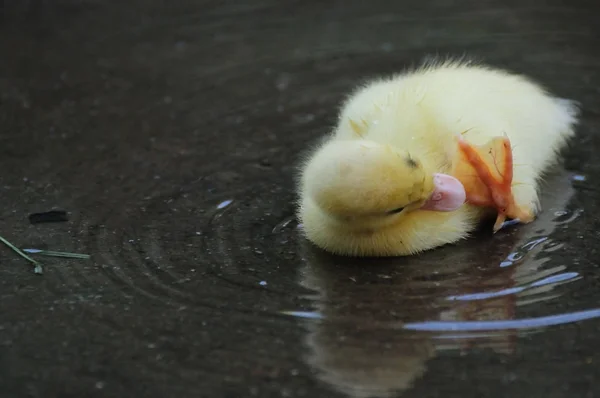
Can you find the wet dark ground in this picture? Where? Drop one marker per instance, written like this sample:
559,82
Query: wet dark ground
169,131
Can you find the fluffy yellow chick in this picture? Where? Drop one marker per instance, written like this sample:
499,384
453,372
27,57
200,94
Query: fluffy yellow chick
418,159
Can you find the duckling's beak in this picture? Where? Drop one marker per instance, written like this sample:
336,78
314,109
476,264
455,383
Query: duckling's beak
448,194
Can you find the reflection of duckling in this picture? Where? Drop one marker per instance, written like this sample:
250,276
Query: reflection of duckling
408,151
357,347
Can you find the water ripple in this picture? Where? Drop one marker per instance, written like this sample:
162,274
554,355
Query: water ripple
567,276
526,323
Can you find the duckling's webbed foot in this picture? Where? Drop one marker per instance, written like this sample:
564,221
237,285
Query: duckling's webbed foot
493,164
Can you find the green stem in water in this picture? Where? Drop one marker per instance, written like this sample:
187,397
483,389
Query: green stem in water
51,253
38,266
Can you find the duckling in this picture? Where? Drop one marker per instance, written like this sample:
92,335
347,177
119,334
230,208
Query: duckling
417,160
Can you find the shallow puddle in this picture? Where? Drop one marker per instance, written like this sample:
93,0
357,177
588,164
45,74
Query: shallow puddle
171,135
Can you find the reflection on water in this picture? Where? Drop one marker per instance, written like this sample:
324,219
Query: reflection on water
525,323
375,323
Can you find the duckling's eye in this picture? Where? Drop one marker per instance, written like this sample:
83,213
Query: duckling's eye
411,162
396,211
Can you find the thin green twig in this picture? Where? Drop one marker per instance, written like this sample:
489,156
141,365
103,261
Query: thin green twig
37,265
51,253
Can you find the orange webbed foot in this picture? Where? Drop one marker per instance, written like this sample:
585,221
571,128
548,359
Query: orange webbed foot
487,173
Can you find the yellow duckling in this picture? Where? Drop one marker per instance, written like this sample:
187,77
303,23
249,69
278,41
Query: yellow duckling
418,159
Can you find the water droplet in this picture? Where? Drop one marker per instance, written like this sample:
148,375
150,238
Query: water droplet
283,81
224,204
303,314
283,224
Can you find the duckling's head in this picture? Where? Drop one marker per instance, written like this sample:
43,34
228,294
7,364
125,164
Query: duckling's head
361,187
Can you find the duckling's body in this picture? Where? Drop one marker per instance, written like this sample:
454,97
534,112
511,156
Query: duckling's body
371,188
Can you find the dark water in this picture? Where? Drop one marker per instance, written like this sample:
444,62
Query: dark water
170,130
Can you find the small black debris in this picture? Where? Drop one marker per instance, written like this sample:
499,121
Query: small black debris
48,216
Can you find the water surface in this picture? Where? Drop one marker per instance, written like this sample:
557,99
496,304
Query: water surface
170,134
